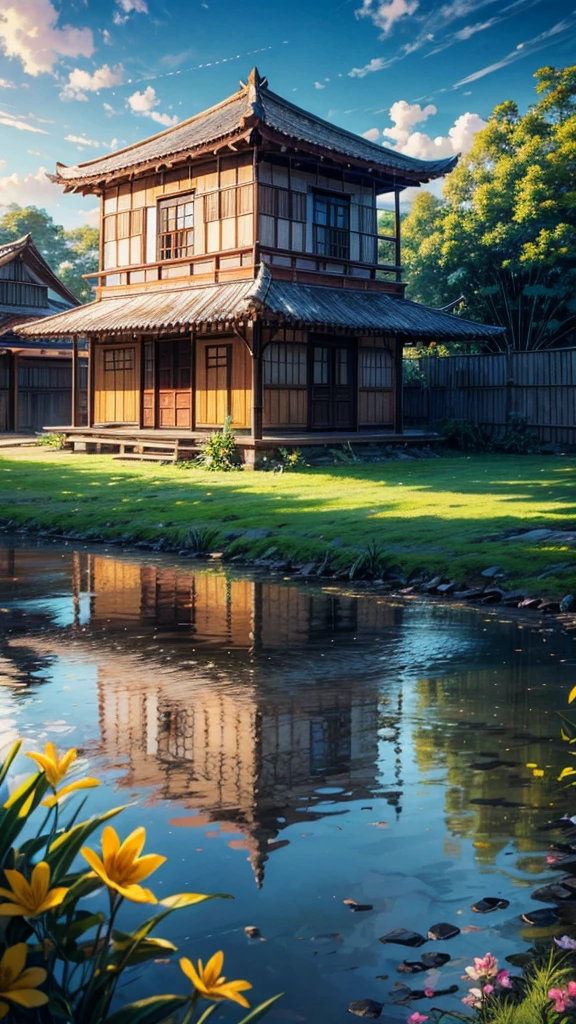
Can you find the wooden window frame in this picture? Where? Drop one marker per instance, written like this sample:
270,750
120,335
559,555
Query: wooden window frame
116,359
370,374
337,240
183,247
277,370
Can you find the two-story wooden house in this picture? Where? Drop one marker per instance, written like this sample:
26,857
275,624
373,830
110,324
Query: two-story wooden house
36,377
242,274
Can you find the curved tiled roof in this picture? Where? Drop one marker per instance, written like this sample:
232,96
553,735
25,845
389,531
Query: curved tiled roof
253,105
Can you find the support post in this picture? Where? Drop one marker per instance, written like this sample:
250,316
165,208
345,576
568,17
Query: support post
257,381
12,389
398,386
90,382
74,410
398,243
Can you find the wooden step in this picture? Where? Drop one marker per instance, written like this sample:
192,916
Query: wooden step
145,457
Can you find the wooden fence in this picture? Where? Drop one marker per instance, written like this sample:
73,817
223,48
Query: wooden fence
485,389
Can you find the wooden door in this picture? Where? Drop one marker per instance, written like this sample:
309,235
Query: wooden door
175,384
333,386
218,383
116,384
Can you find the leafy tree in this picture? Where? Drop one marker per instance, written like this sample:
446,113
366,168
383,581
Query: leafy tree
504,236
69,253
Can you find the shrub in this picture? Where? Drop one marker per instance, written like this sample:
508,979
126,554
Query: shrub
202,540
371,563
412,374
218,452
60,961
518,439
465,436
53,440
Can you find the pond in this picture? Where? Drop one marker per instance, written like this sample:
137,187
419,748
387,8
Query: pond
297,746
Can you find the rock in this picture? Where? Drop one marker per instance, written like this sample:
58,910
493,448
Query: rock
554,568
491,572
513,597
567,603
432,584
549,606
495,801
411,967
531,535
446,588
554,893
529,602
541,918
403,937
492,595
308,569
366,1008
431,960
468,595
259,533
489,904
252,931
443,931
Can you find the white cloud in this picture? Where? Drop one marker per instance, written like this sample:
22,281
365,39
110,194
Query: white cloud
29,32
470,30
106,37
405,116
128,7
35,152
31,190
319,85
385,13
91,217
373,135
109,110
5,84
376,64
525,49
144,103
425,147
80,82
81,141
19,121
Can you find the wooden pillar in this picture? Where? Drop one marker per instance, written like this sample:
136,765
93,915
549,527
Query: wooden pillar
141,343
398,386
257,380
193,379
13,392
398,243
75,383
90,382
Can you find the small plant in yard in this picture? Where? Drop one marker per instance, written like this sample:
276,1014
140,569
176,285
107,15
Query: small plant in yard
518,439
465,436
345,454
53,440
201,541
60,961
371,563
218,452
290,458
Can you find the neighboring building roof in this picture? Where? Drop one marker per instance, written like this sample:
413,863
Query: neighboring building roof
24,249
282,302
253,106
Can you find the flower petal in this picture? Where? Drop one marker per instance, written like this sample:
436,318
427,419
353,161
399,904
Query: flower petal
135,893
29,997
40,881
12,910
30,978
132,847
144,866
4,1008
20,887
213,969
13,960
232,991
53,899
95,863
189,970
110,843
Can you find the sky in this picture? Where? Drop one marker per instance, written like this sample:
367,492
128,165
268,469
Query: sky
80,78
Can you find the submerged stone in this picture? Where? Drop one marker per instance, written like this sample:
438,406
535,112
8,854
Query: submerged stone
496,801
411,967
541,918
553,893
435,959
403,937
366,1008
489,904
443,931
357,907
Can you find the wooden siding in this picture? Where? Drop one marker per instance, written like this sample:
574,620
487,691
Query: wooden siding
539,386
117,389
285,407
223,390
375,405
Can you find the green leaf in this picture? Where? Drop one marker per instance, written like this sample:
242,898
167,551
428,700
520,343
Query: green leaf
69,932
148,1011
146,949
260,1011
65,848
10,756
60,1007
206,1014
23,801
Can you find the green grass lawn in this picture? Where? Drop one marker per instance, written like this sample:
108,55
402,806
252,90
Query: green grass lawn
446,515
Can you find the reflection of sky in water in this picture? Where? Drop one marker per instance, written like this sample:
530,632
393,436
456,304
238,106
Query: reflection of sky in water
318,745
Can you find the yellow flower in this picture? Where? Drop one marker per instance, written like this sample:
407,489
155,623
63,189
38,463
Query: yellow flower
208,982
55,768
538,773
30,899
18,985
121,866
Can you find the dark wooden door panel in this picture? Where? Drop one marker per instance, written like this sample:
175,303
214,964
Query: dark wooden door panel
333,387
174,384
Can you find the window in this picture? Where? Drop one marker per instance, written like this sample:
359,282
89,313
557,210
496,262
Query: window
285,365
331,226
375,368
123,239
280,202
176,228
228,203
118,359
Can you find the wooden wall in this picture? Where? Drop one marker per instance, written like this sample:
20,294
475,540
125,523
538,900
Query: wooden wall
484,389
117,383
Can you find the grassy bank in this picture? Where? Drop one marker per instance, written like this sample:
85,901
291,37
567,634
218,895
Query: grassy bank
451,516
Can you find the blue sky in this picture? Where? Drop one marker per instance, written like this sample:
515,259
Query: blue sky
81,77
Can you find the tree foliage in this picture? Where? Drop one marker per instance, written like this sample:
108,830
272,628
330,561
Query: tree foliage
504,235
70,254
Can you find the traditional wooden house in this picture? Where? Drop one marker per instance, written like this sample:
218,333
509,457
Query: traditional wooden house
35,376
242,274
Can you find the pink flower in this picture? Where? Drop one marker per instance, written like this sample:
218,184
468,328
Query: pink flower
572,989
488,990
484,967
560,999
417,1018
429,992
503,979
474,998
551,859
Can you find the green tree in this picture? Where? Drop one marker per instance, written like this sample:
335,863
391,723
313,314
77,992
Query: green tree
70,254
504,236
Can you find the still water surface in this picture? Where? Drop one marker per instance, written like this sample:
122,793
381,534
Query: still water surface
297,747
